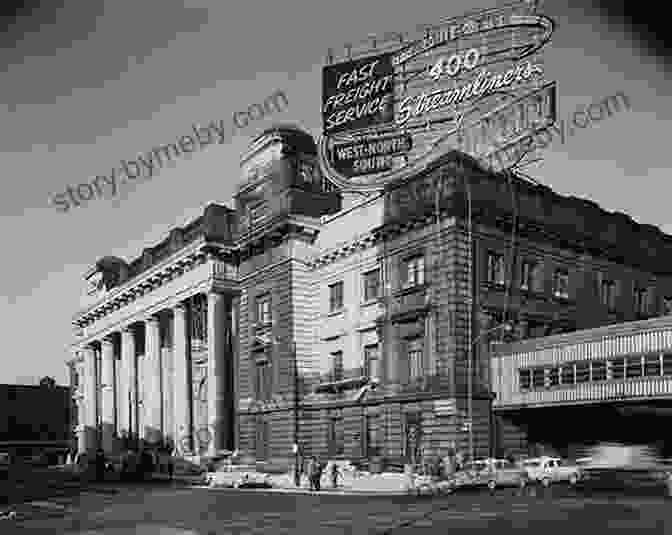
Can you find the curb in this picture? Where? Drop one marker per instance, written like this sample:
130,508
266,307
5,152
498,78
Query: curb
309,492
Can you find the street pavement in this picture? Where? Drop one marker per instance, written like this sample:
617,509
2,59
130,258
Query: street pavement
180,510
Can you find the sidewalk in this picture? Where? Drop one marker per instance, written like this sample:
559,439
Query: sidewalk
365,483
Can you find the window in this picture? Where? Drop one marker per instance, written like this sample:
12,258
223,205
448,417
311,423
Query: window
336,437
633,366
413,271
529,276
617,369
599,370
263,380
641,301
415,352
652,365
495,269
561,283
371,282
372,361
264,309
525,378
538,378
667,364
667,305
261,437
336,366
554,376
608,294
567,374
336,296
582,372
372,436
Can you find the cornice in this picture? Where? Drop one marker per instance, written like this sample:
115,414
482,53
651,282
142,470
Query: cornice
372,238
630,328
167,270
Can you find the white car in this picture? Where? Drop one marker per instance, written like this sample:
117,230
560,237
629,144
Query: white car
549,470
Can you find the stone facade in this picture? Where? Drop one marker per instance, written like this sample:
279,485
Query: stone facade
353,312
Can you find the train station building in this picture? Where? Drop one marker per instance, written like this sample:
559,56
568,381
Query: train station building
347,300
197,341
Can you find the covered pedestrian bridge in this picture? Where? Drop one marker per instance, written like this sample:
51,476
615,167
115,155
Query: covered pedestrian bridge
609,383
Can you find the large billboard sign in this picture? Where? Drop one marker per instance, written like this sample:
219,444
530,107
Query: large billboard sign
357,94
475,83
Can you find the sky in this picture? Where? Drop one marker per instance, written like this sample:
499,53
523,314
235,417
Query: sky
88,84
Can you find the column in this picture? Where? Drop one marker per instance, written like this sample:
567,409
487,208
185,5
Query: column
90,400
235,366
81,428
153,402
218,373
182,382
128,396
108,409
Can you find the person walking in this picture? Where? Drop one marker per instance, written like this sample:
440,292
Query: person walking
310,472
171,467
334,475
100,465
318,474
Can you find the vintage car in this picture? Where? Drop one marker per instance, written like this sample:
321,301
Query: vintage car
547,470
491,473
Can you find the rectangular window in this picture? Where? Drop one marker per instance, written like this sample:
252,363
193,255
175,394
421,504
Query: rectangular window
538,378
336,438
264,309
667,364
599,370
261,438
495,269
528,273
667,305
582,372
608,294
415,354
525,378
641,298
372,361
554,376
372,436
336,367
263,380
336,296
371,282
618,369
413,271
633,366
652,365
567,374
561,283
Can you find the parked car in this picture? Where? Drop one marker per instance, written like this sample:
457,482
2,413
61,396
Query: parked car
491,473
549,470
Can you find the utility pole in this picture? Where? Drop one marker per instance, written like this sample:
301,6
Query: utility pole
297,475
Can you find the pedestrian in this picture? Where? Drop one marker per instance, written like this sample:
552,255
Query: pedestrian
310,472
318,474
100,465
334,475
171,468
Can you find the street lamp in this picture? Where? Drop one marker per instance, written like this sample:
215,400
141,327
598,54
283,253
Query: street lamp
470,408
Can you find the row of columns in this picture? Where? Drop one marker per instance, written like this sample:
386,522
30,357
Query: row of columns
120,411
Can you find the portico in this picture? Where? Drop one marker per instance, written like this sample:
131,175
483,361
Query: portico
142,345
